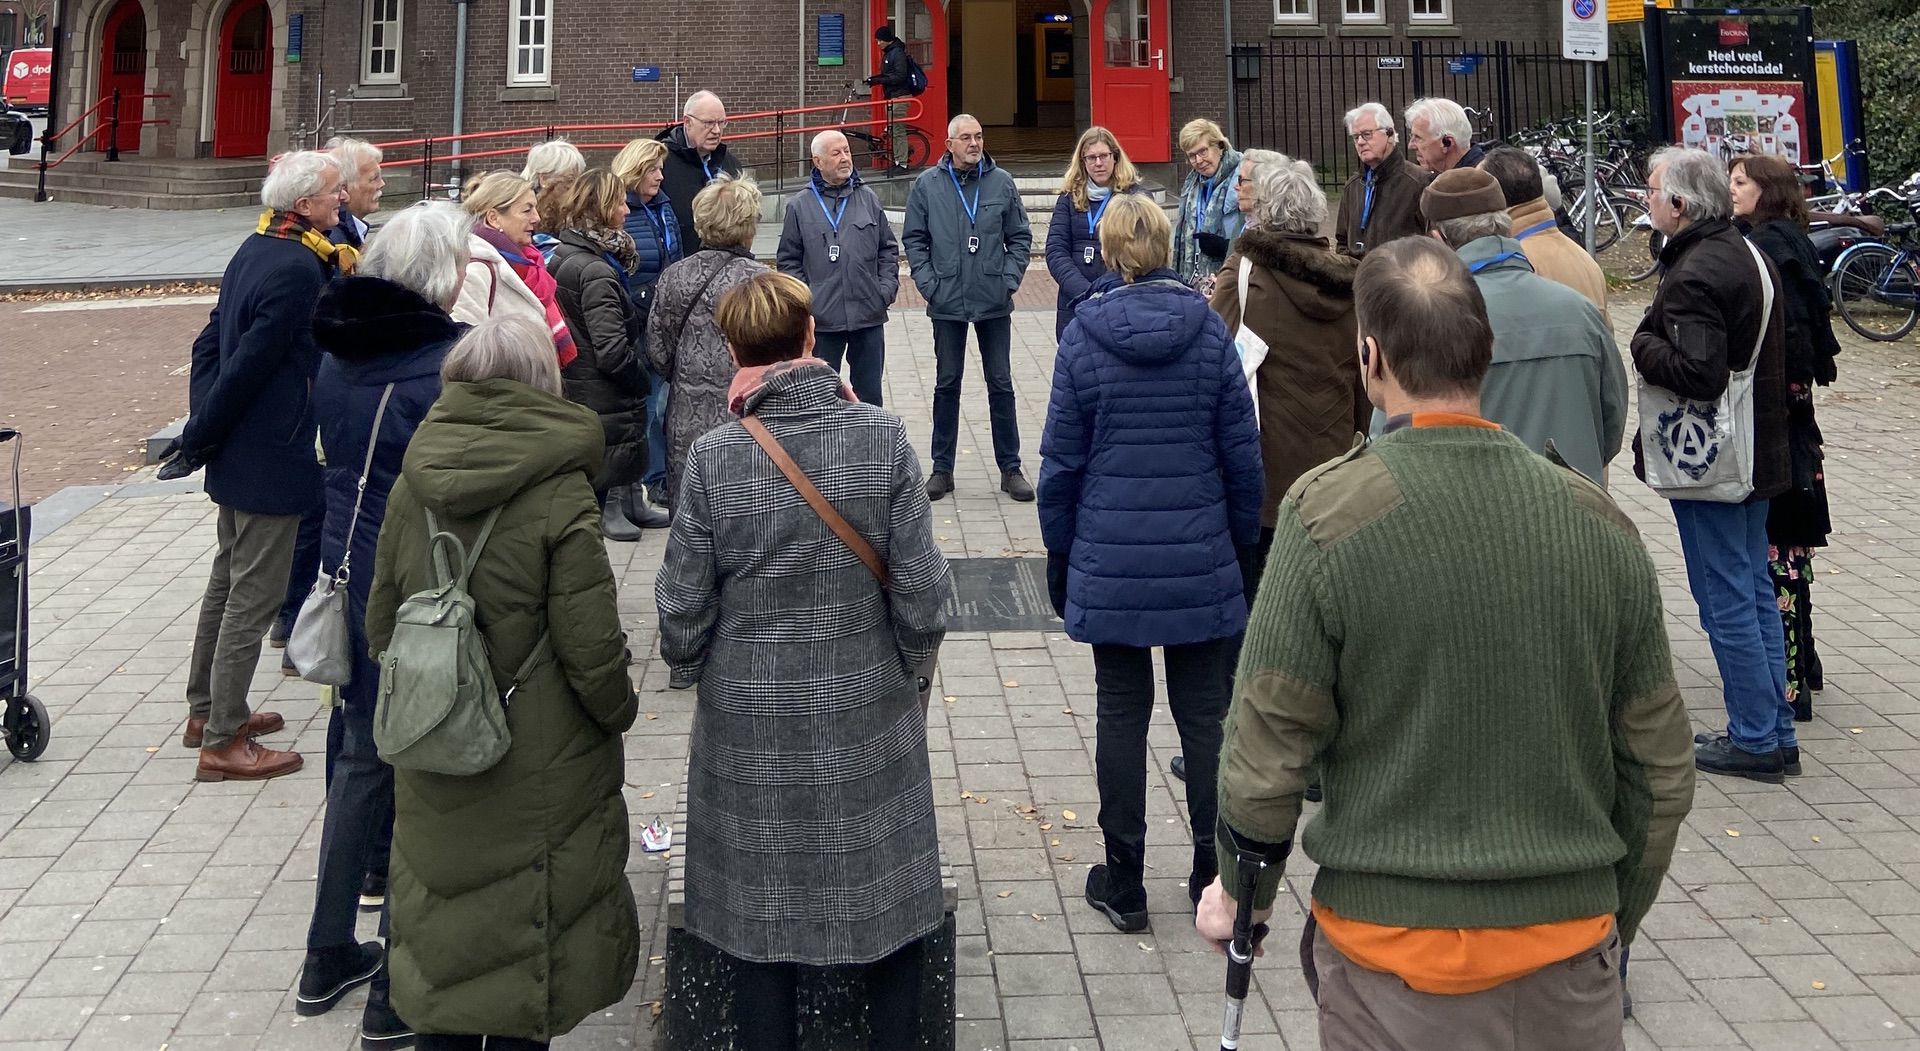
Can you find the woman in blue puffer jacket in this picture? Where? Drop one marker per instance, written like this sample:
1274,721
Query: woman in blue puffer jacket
1149,500
655,229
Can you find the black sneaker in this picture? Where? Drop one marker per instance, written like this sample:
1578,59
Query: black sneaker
373,892
330,973
381,1028
1789,757
1179,767
657,494
939,484
1015,484
1126,908
1722,756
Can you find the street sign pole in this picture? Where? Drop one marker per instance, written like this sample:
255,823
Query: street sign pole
1583,39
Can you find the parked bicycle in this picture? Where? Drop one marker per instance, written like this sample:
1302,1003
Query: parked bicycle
890,148
1876,283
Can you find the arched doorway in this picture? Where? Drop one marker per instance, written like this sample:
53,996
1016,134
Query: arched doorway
243,88
123,65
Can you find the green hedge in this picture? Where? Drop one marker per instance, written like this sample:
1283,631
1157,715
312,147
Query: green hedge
1888,32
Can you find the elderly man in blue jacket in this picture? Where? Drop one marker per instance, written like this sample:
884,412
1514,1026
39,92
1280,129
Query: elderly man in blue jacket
251,425
968,241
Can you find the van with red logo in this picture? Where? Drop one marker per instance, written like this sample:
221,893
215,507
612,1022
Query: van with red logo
29,77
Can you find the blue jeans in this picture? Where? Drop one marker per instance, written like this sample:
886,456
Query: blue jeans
950,357
1725,546
866,351
656,430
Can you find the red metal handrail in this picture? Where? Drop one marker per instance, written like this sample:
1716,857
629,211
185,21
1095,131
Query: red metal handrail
113,127
429,146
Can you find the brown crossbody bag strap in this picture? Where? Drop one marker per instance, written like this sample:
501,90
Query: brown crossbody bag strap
847,534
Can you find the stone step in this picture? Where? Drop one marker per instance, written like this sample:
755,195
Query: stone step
11,186
129,184
135,167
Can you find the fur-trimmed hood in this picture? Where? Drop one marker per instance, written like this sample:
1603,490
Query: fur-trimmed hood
1317,279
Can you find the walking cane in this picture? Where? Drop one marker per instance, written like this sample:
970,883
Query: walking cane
1246,937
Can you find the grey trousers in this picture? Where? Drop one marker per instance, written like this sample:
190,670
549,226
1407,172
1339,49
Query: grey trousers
1573,1005
244,592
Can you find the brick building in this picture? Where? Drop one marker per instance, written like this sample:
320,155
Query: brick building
244,78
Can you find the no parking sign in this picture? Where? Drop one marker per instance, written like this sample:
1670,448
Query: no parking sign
1583,31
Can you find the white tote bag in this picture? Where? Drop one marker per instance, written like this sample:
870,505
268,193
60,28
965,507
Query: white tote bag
1703,450
1251,348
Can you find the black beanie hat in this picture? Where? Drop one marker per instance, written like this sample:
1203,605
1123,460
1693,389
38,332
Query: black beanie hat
883,34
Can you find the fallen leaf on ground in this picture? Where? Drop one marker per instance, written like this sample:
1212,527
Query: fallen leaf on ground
1011,683
1734,832
966,795
1037,917
1068,814
651,716
1144,947
1046,826
1053,842
1026,808
647,795
1819,985
1004,894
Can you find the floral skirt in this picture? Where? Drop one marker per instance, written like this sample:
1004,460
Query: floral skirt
1792,571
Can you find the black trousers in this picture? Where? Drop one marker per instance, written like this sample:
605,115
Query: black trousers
765,1017
865,351
466,1042
1199,680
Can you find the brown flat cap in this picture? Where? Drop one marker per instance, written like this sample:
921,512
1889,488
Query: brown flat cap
1461,192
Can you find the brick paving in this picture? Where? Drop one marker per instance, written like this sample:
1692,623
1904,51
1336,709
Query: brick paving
139,909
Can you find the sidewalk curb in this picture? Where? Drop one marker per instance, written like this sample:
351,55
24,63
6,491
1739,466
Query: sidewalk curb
106,284
71,502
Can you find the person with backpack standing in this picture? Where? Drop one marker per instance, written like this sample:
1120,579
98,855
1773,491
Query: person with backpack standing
512,918
899,74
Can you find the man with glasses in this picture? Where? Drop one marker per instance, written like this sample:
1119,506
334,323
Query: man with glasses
967,242
1382,201
695,155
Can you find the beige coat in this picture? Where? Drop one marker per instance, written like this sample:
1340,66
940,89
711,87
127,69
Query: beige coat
490,280
1554,255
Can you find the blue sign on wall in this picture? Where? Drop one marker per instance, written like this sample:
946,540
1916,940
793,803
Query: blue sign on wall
831,31
645,73
1463,64
296,33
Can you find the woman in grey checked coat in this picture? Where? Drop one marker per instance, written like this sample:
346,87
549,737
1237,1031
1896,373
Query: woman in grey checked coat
810,837
683,343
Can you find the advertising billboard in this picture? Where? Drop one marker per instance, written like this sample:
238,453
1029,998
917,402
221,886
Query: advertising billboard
1737,81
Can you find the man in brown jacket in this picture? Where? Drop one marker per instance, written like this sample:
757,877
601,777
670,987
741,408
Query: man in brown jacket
1554,255
1382,201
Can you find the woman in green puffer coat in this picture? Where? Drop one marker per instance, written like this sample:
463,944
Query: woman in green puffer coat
510,909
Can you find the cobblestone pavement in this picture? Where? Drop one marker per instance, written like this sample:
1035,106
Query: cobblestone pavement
139,909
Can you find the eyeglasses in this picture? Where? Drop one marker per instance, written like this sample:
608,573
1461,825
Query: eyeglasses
717,125
1096,158
1367,133
1199,153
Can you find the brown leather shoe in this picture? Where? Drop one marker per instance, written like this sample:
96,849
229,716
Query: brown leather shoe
258,724
244,760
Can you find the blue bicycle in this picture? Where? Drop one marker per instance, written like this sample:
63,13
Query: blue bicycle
1876,284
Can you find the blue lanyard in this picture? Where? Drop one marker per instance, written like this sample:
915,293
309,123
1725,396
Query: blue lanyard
833,218
1366,208
707,167
1544,224
1501,258
1200,209
973,210
1093,216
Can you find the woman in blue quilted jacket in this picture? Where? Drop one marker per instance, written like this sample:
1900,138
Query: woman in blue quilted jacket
1149,502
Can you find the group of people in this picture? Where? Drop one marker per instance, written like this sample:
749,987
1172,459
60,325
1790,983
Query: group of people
575,354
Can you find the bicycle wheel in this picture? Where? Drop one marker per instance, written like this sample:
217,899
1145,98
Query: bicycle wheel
919,149
1634,249
866,150
1877,291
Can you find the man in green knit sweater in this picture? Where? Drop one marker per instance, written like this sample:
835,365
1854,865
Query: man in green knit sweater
1467,638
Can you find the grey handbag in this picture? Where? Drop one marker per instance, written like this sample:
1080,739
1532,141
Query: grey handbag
320,645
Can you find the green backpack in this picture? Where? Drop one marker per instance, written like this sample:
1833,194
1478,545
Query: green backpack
438,709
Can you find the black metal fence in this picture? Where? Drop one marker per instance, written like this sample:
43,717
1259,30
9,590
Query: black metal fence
1293,96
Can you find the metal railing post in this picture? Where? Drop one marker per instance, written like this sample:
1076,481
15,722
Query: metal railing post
1419,69
113,127
426,168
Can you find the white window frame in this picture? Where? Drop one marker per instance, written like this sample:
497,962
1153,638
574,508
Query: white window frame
1445,17
1295,12
1375,17
524,13
394,41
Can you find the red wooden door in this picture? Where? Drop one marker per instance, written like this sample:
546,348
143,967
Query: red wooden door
1130,82
244,94
123,65
924,28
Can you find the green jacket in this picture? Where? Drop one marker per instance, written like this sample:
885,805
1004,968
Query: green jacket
510,907
1469,640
